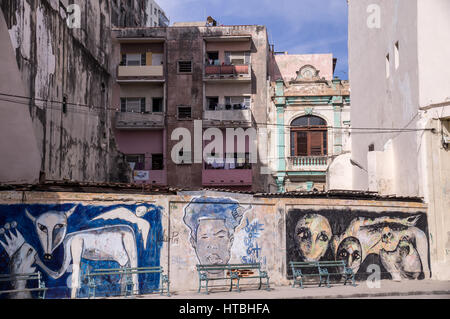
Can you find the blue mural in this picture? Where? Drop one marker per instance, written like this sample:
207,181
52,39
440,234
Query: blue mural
252,233
65,241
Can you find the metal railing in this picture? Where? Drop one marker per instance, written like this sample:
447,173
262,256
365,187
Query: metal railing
230,70
308,161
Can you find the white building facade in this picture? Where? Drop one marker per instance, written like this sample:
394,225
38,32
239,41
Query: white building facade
399,69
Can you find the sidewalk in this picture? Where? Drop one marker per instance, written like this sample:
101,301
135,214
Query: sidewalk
388,288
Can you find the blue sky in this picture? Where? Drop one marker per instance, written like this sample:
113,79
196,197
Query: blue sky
296,26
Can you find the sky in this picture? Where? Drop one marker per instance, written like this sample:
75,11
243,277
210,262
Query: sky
295,26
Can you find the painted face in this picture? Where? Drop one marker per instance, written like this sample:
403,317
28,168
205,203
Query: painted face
213,242
141,211
390,239
312,233
403,262
350,251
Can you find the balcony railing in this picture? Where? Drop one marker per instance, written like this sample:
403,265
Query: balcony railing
308,163
228,71
141,72
131,120
228,112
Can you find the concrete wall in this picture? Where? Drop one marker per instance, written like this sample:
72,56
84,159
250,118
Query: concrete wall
180,231
54,61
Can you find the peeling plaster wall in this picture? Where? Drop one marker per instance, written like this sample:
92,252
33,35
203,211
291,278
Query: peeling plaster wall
55,61
257,229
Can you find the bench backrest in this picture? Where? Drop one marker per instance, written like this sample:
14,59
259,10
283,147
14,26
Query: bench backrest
336,263
30,276
254,266
212,267
303,264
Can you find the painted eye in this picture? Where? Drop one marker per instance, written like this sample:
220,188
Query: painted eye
323,237
29,252
356,255
343,254
42,228
58,226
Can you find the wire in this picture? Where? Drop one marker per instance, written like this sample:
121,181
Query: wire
351,130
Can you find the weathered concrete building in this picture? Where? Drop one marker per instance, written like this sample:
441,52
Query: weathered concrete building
310,121
399,70
179,230
189,79
56,90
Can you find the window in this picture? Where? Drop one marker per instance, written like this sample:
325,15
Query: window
241,161
236,58
388,66
157,105
135,59
136,161
157,162
184,66
212,58
371,147
397,55
309,136
132,105
237,102
184,112
212,103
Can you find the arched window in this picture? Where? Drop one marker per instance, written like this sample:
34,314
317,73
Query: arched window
309,136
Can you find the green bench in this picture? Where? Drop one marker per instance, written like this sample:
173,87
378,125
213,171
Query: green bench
128,272
298,274
232,272
322,267
342,270
247,271
25,277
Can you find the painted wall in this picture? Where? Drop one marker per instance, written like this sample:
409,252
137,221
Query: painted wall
68,240
180,231
396,242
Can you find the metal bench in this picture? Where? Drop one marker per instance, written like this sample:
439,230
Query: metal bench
24,278
341,267
246,271
128,272
204,275
298,274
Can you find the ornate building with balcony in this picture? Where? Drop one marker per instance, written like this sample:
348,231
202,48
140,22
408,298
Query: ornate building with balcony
310,118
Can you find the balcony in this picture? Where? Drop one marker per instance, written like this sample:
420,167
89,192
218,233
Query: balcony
146,73
227,177
239,72
307,163
139,121
229,115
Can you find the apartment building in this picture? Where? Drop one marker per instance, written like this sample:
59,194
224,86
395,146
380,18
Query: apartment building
191,79
310,121
156,17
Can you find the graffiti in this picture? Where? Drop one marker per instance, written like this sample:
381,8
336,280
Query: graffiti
212,222
64,242
252,232
396,242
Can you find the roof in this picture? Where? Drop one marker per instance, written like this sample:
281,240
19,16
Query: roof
91,187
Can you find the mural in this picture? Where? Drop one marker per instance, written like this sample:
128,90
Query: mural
65,241
212,223
397,242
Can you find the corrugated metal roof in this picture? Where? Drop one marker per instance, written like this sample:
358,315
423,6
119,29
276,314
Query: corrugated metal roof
92,187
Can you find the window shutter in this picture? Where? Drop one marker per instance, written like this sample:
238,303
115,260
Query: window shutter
316,143
123,105
143,105
247,100
124,59
302,144
247,58
227,57
143,59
